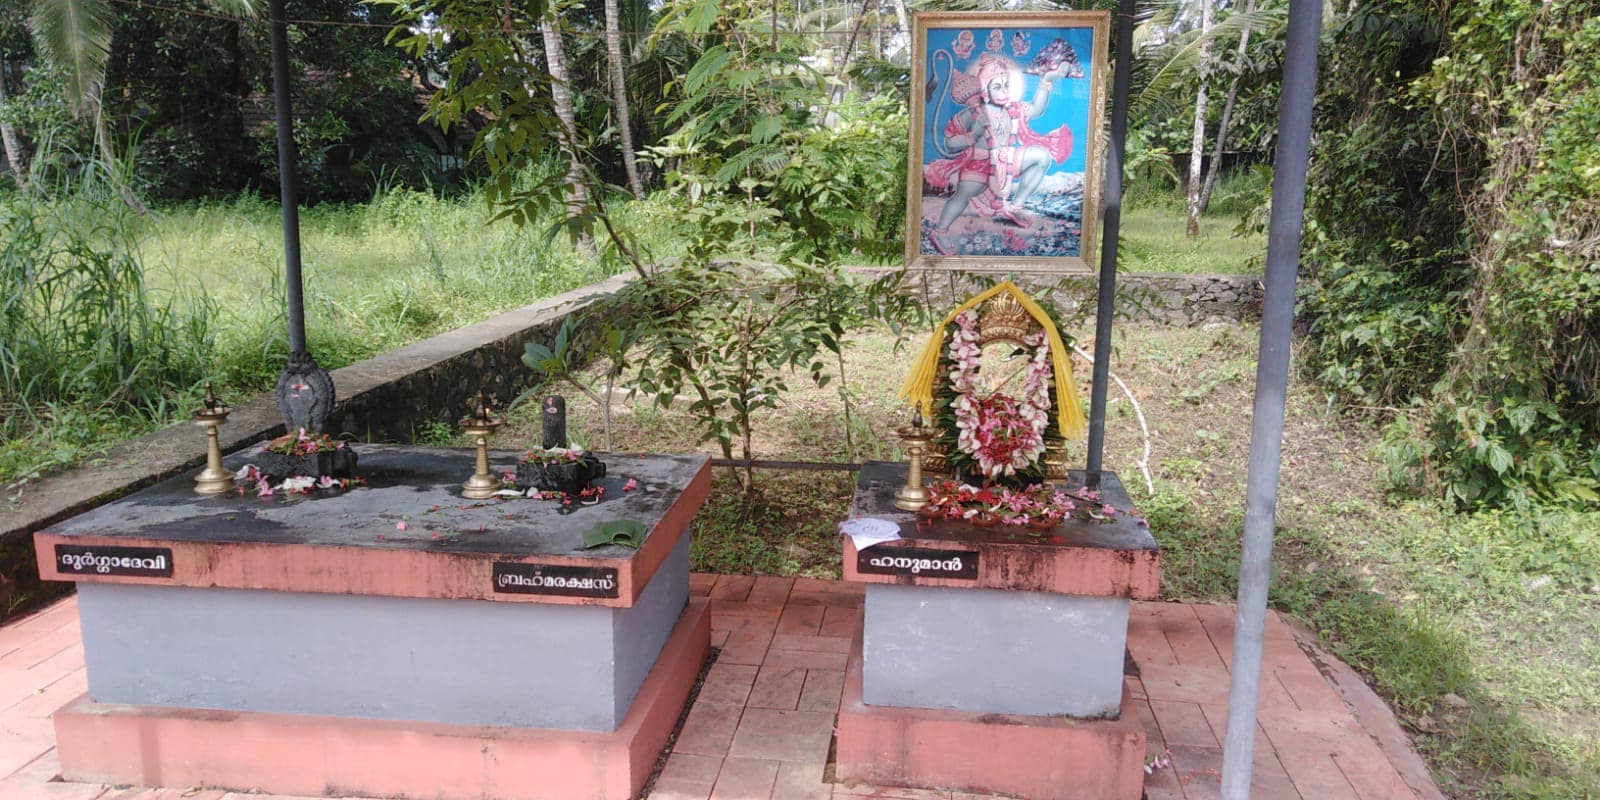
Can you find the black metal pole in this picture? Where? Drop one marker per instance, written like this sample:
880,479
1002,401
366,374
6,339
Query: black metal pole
286,177
1110,230
305,392
1272,382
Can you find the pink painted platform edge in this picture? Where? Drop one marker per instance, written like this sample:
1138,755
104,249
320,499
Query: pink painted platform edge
1093,572
1046,758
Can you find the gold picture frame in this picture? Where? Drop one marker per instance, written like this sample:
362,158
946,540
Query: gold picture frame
1020,200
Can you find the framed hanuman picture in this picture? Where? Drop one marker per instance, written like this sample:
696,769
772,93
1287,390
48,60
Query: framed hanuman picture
1005,139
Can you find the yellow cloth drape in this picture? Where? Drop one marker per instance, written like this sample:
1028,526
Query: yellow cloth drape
918,388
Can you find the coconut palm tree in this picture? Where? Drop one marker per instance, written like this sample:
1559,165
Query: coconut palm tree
8,135
1215,168
75,36
619,97
1199,143
555,54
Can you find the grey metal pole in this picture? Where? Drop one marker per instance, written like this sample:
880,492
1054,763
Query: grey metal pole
1111,229
286,177
1272,381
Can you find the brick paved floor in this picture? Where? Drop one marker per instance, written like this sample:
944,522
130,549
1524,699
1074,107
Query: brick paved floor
762,725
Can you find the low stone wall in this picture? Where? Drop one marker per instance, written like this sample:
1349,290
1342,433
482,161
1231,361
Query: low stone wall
1190,299
1166,298
386,398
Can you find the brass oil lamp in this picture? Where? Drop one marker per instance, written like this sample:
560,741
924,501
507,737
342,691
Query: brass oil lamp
211,415
913,496
480,425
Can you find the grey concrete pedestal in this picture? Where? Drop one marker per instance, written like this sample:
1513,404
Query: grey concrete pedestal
994,651
468,662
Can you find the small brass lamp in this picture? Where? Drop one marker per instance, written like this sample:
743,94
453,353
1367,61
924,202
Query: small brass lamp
913,496
211,415
480,425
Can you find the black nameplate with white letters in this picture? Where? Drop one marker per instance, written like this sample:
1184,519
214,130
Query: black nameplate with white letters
138,562
918,562
550,579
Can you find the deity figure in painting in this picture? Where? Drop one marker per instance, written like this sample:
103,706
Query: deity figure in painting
996,159
997,40
999,172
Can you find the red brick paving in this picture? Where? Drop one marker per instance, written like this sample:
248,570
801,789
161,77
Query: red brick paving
763,722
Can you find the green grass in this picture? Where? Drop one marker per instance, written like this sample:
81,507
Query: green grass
1154,237
377,276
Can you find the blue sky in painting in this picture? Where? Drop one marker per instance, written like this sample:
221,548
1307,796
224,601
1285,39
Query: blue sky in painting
1069,101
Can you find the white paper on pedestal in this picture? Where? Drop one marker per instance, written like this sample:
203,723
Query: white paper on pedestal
868,531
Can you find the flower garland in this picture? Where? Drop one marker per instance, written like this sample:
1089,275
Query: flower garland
304,444
1002,434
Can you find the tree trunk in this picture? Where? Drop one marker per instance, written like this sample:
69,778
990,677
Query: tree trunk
1197,147
877,31
556,57
904,19
1227,114
11,139
837,93
619,97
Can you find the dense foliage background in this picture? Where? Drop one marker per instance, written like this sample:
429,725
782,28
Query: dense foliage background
1451,261
1455,243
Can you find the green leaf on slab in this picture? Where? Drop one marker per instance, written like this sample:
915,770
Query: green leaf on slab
623,532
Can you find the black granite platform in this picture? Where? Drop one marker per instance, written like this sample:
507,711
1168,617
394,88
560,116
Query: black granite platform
419,486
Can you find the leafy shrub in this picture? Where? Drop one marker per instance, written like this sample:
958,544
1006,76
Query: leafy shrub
844,187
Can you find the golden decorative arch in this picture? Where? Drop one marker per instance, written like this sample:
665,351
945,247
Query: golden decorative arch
1003,322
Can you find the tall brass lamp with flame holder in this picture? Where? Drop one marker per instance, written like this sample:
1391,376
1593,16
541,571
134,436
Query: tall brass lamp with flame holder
480,425
211,415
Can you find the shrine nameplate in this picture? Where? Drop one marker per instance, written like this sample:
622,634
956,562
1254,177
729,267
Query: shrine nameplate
551,579
918,562
137,562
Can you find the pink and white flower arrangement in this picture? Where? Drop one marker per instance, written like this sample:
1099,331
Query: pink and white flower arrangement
1037,506
251,475
1002,434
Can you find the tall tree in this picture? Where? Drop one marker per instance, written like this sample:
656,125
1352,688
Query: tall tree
9,136
619,98
1197,147
904,19
555,55
849,49
1215,168
75,35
